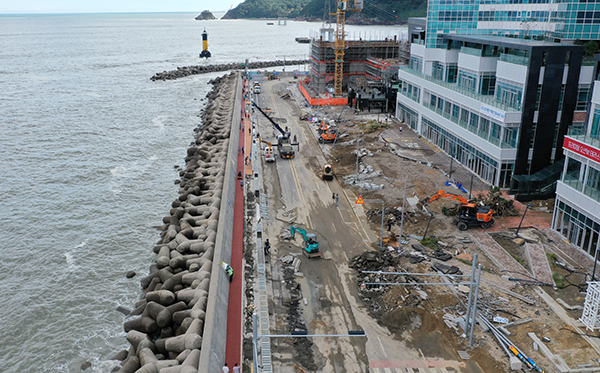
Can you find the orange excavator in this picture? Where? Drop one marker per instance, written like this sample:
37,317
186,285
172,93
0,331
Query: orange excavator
469,214
325,135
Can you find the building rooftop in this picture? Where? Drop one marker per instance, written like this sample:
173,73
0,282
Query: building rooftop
502,41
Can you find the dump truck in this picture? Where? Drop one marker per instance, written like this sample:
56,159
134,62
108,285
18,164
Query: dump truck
310,243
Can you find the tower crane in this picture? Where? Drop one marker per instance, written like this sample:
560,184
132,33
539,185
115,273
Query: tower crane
343,6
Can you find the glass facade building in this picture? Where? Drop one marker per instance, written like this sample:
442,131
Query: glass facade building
525,19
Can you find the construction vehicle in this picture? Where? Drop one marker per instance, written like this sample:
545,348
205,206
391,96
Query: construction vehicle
469,214
283,140
327,172
325,133
310,243
269,156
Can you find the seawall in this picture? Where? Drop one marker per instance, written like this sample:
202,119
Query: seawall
204,69
181,322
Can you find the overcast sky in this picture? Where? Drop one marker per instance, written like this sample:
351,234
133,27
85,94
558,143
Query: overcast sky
101,6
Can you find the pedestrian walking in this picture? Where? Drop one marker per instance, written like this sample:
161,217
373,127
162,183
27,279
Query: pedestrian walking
225,368
333,197
237,368
336,200
242,183
267,246
246,160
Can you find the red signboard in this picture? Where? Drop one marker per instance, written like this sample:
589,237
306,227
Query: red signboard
582,149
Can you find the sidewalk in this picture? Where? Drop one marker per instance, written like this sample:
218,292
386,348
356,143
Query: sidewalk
233,351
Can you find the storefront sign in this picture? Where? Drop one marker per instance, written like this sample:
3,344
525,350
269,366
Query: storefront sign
492,112
582,149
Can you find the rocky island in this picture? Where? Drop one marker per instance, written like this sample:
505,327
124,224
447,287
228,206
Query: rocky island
206,14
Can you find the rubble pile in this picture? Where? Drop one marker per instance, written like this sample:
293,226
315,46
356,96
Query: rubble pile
497,202
303,351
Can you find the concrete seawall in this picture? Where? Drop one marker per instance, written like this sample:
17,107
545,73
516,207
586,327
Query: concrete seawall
215,335
180,324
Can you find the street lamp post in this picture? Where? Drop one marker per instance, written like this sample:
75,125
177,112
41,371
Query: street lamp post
426,229
471,187
522,218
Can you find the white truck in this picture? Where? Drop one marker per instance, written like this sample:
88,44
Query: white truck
256,87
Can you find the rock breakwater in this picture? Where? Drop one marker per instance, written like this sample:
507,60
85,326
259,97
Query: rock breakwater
166,328
195,70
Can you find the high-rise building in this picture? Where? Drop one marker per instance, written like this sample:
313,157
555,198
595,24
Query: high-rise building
489,88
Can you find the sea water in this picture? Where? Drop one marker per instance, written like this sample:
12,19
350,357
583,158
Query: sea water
88,154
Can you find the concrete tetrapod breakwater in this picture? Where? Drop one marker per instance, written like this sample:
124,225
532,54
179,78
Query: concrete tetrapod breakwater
195,70
186,292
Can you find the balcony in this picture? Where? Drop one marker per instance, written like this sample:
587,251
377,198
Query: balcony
517,60
490,100
591,141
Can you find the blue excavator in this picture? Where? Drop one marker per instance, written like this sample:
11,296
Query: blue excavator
311,245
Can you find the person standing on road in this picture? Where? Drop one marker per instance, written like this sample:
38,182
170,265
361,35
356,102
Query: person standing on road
237,368
267,246
225,368
336,200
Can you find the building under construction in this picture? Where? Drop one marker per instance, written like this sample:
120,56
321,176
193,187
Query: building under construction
369,65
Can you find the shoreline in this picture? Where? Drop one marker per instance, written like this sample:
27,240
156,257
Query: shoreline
166,329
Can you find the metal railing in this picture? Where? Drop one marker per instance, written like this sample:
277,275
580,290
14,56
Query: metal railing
490,100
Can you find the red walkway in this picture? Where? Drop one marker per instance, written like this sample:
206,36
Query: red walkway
233,352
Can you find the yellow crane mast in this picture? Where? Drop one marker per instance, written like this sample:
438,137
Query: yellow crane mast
343,6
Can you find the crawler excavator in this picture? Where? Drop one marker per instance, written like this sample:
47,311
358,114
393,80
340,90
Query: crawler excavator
311,246
469,214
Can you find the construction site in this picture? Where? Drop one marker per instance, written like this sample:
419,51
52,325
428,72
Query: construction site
361,73
391,266
405,261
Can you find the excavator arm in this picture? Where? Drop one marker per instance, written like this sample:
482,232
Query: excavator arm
443,194
286,135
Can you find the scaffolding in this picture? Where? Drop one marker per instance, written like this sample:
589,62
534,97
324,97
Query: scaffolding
363,60
591,307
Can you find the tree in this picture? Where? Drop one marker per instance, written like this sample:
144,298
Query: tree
590,49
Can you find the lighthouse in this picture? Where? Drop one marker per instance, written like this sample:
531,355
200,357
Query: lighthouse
205,52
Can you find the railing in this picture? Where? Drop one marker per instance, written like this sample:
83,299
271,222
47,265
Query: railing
490,100
511,58
471,51
586,140
578,185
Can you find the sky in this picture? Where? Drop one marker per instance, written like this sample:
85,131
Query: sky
108,6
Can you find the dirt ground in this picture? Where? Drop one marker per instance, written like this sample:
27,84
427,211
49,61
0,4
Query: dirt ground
410,317
419,316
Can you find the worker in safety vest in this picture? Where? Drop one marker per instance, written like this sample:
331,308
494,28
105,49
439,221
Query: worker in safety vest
228,270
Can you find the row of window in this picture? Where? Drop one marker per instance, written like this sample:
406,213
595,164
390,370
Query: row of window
411,91
581,230
488,130
513,16
480,163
